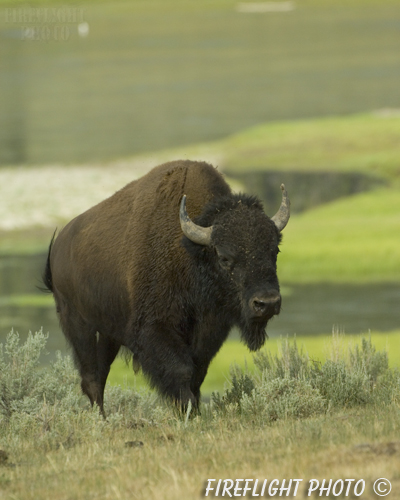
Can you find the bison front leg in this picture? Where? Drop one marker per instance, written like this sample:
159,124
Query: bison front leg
198,377
166,360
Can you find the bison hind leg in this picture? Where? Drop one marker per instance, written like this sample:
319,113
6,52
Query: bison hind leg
107,350
92,357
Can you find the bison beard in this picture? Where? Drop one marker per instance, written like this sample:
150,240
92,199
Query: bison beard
138,271
253,333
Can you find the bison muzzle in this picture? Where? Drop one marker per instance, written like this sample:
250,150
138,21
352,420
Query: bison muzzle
166,267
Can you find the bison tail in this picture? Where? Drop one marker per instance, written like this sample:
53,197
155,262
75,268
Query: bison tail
47,277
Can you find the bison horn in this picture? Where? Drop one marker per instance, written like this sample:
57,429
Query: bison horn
281,218
197,234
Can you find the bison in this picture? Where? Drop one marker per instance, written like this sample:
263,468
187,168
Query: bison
165,280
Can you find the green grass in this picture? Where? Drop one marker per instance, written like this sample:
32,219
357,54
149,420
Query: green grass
351,240
233,352
365,143
25,242
28,300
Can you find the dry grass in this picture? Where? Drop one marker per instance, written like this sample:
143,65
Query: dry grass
175,461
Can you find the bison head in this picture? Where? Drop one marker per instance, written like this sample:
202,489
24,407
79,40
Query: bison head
243,245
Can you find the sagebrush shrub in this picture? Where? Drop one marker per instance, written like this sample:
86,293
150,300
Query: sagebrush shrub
47,403
341,386
290,362
242,383
369,360
290,384
282,398
24,387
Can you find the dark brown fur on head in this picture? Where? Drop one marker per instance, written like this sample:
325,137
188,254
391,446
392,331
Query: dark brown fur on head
242,256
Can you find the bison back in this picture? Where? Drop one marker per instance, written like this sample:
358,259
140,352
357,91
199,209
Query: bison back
125,253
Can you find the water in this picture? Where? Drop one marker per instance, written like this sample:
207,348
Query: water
307,189
307,309
23,306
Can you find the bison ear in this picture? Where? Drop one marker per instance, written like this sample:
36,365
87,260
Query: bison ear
197,234
281,218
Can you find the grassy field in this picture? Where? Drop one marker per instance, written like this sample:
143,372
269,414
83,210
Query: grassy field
176,461
291,419
364,142
351,240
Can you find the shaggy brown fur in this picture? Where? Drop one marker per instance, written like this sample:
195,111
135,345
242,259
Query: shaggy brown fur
122,274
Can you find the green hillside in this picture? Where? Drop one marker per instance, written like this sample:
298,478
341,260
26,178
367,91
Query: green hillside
364,143
355,239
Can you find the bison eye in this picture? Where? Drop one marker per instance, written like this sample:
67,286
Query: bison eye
225,261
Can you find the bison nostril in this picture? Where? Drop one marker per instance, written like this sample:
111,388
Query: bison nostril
267,304
259,305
